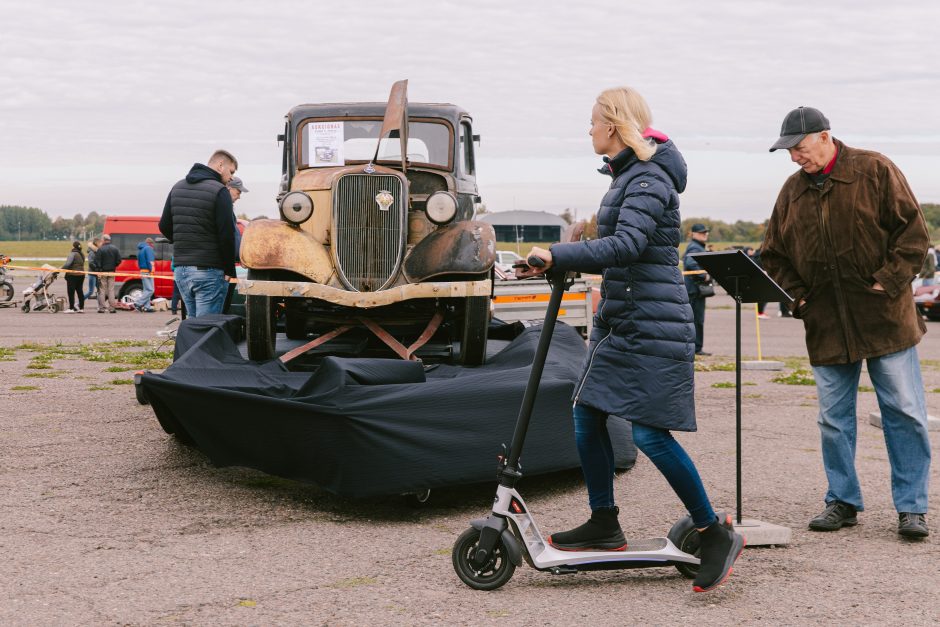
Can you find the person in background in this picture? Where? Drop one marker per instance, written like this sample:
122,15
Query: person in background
145,258
641,361
754,254
93,267
698,237
74,280
845,238
929,269
236,188
108,258
197,219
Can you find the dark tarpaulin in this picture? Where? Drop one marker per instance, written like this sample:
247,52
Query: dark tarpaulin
363,427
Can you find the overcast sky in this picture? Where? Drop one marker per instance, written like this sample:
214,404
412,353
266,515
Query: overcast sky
104,105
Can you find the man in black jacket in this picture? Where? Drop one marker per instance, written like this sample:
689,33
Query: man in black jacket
698,236
107,259
197,219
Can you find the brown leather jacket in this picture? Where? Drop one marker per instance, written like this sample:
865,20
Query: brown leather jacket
829,245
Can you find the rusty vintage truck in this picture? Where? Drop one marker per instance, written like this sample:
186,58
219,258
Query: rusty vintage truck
376,235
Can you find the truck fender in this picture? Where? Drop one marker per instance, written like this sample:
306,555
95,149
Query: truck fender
457,248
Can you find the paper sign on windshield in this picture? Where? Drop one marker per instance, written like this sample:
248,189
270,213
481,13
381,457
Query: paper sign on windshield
325,144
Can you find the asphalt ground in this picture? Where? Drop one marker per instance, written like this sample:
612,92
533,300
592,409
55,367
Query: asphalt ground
105,519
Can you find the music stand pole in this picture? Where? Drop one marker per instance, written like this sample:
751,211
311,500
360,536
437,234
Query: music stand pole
737,390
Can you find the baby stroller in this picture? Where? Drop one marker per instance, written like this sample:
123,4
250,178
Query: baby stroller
38,297
6,285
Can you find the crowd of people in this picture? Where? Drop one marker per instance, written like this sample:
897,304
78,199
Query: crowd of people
199,220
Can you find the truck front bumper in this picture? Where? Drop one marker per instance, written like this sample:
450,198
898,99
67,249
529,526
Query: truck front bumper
365,300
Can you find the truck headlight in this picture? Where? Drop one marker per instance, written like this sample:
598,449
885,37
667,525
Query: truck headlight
441,207
296,207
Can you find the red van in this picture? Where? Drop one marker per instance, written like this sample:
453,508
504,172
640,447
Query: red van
126,233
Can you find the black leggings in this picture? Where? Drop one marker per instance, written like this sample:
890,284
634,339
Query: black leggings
73,284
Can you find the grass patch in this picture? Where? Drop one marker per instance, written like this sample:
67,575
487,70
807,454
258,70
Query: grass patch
866,388
24,388
46,375
753,396
36,248
121,382
95,388
797,377
7,354
152,358
930,363
730,384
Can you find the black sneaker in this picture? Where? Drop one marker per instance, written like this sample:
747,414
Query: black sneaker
720,547
601,533
836,515
911,525
703,354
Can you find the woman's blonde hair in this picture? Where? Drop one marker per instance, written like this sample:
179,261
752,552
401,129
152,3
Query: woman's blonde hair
629,114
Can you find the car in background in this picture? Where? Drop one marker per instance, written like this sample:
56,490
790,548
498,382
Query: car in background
927,300
126,233
505,259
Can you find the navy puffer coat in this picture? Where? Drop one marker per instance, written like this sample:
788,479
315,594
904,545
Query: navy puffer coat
640,362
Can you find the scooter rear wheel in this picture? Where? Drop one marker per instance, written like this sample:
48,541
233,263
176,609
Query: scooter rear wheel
686,539
495,573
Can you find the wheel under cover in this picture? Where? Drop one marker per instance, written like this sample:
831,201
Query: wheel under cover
259,322
474,330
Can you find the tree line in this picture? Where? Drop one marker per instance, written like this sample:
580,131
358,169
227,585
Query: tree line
30,223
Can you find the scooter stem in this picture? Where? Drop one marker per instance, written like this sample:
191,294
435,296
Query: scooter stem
558,281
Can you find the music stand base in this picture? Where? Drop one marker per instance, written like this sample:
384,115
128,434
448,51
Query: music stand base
933,423
760,533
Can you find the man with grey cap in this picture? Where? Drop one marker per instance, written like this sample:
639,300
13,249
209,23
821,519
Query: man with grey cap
107,259
698,238
846,238
236,188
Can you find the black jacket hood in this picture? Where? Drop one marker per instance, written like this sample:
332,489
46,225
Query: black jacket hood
201,172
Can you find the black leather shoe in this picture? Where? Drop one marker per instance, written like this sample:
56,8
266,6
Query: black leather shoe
836,515
912,525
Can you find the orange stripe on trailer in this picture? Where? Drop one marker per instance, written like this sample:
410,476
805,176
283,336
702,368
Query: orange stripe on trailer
535,298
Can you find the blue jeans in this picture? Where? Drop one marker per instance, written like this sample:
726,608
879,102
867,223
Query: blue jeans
597,463
900,391
144,301
92,283
202,291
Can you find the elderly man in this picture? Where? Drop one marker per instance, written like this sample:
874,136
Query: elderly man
845,240
236,188
197,219
107,258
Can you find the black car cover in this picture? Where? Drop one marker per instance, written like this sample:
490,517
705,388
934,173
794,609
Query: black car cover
362,427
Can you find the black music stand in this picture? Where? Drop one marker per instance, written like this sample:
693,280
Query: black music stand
746,282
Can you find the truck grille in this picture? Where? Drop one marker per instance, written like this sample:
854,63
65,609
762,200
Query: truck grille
367,242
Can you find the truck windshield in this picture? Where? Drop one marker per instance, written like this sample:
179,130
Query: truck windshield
327,143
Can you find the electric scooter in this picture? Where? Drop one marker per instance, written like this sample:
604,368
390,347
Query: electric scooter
486,555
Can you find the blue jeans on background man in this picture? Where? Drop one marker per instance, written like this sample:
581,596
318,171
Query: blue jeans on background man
92,284
146,282
202,289
900,391
597,463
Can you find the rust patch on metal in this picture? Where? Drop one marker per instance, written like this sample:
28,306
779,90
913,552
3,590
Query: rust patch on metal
275,245
458,248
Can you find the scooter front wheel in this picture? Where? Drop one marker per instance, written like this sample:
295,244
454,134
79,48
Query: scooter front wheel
495,573
686,539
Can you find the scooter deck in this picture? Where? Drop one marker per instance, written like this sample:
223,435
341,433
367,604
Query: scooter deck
640,552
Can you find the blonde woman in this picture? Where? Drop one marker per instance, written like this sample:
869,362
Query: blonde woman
641,354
